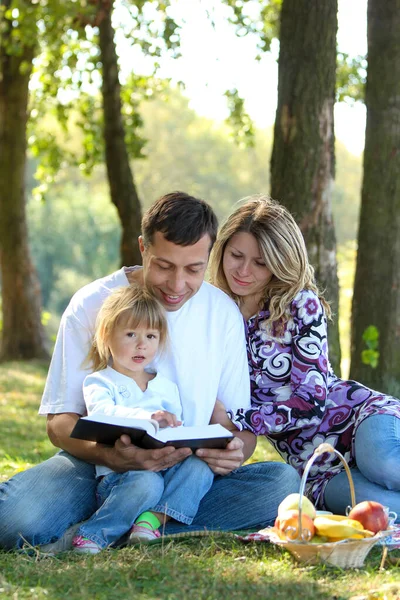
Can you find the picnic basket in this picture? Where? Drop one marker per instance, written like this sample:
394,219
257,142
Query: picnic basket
346,553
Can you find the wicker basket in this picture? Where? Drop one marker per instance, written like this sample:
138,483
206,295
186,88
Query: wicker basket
345,553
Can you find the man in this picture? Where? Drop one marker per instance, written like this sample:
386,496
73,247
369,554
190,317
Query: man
207,361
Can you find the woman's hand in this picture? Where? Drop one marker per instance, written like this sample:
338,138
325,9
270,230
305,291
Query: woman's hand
222,462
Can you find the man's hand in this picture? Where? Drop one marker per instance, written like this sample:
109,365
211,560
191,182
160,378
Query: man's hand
126,457
165,418
121,457
222,462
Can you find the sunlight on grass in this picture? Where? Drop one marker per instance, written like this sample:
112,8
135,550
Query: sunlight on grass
23,439
200,568
264,452
346,269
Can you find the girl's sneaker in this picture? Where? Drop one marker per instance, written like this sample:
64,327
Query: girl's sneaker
84,545
141,534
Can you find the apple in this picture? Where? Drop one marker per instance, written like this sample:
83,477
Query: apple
371,515
288,524
291,502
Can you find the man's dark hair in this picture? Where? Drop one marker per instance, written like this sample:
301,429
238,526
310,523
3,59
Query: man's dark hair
181,218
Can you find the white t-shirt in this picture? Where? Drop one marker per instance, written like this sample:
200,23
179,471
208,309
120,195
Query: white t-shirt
111,393
207,358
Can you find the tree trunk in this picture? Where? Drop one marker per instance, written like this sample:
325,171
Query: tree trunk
122,187
302,162
376,299
23,335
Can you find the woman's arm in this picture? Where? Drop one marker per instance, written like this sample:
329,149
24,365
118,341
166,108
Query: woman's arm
302,403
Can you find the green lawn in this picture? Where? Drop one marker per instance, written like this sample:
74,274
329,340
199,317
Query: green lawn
217,567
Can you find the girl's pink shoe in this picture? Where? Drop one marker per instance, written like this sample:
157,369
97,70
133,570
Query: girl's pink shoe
141,534
84,545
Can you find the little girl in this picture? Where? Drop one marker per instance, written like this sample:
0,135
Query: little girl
131,328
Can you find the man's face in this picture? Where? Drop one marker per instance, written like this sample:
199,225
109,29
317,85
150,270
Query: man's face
174,273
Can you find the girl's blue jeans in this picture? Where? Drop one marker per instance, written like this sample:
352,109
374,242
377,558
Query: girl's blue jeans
122,497
38,505
377,476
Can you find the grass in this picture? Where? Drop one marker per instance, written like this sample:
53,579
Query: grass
202,568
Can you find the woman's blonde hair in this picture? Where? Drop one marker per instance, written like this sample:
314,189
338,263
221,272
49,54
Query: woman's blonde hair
282,247
129,307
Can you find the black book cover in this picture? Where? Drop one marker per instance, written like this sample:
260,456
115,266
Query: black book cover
108,433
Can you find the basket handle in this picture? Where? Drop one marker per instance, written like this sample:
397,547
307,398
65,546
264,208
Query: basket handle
321,449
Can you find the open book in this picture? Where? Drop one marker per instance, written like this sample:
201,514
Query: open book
145,433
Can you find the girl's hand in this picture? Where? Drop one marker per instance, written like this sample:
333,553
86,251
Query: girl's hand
165,419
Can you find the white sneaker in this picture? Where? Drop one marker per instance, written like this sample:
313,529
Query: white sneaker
140,534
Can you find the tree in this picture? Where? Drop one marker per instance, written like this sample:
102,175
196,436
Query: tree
376,300
120,177
110,120
302,162
23,334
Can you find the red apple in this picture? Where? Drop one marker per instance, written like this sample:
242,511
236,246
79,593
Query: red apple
288,524
371,515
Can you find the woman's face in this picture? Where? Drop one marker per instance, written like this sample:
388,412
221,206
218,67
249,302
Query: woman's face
244,266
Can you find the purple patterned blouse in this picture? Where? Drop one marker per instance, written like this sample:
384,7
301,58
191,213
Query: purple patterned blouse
297,400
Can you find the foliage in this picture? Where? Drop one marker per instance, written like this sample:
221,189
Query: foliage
241,123
68,77
189,152
258,18
197,569
346,194
73,241
262,20
370,356
184,151
351,75
18,18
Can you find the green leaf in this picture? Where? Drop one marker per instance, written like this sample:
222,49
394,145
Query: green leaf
371,334
370,357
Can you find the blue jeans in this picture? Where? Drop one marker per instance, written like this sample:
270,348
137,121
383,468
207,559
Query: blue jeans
39,504
122,497
377,476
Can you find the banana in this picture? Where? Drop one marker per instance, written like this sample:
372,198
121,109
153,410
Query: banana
339,529
356,536
337,517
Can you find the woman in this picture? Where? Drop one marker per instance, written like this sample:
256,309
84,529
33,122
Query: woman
260,260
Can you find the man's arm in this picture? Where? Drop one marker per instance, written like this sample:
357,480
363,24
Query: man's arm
234,390
121,457
222,462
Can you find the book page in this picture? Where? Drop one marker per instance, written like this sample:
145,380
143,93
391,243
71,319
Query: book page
149,425
192,433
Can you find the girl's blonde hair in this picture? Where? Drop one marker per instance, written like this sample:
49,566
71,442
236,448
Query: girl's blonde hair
282,247
129,307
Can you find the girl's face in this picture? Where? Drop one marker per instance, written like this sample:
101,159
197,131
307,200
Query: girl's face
244,267
133,349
